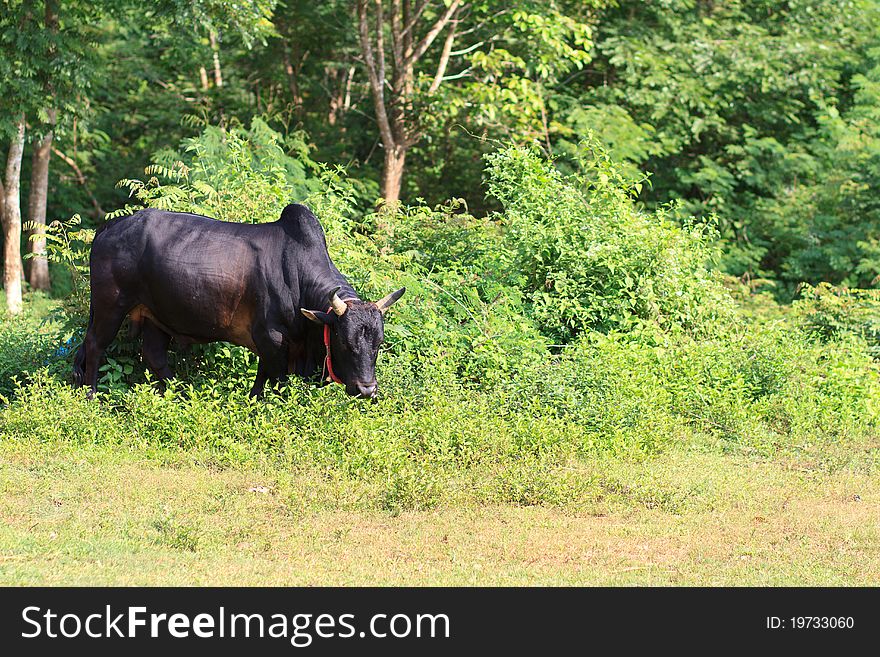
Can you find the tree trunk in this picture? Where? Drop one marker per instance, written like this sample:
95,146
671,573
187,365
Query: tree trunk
339,88
292,73
12,269
215,47
392,174
394,112
38,270
38,265
334,90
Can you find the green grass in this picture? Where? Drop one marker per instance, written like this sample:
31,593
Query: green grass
101,515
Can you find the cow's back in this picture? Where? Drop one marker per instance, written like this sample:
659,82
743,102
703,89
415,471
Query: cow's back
196,277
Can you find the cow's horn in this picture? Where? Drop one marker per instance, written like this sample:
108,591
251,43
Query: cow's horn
338,304
386,302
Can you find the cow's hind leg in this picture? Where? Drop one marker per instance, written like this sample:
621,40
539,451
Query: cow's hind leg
104,323
155,350
79,364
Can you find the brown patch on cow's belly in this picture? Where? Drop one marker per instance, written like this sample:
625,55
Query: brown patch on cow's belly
140,312
236,330
239,327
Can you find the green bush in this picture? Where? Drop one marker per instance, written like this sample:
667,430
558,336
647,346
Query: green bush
827,313
589,260
26,345
229,173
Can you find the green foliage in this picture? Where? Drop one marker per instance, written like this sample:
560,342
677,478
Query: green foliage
67,245
830,313
430,439
590,259
628,143
758,386
566,312
26,344
249,18
505,83
824,222
756,115
738,110
231,174
43,68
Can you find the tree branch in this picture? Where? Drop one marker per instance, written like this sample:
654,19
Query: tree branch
465,51
438,26
80,178
376,83
444,58
396,34
411,22
484,22
380,41
465,73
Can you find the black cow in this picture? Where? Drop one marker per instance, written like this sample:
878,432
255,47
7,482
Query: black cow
198,280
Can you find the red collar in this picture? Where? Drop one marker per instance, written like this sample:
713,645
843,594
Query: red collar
328,363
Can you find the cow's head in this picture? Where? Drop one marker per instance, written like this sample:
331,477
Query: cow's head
356,328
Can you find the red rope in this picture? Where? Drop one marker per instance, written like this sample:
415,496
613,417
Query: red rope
328,363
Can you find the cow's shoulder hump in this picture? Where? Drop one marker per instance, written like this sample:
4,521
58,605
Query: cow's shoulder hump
301,224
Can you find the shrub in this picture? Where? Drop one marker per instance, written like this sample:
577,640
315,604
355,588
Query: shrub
26,345
589,260
228,173
829,313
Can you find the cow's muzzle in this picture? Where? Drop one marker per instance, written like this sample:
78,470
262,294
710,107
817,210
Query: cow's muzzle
365,390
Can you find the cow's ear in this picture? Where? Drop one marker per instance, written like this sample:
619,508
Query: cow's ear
318,317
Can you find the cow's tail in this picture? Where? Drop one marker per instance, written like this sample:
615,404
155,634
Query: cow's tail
135,325
79,361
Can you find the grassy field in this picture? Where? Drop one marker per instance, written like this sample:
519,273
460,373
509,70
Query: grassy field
99,515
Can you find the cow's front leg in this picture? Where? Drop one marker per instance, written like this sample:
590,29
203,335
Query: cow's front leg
271,368
273,361
260,381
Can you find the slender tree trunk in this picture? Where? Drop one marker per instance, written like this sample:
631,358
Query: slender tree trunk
339,89
346,99
335,91
38,270
392,174
38,265
394,111
292,73
12,269
218,73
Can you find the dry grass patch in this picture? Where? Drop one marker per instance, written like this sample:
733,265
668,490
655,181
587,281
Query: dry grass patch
94,516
